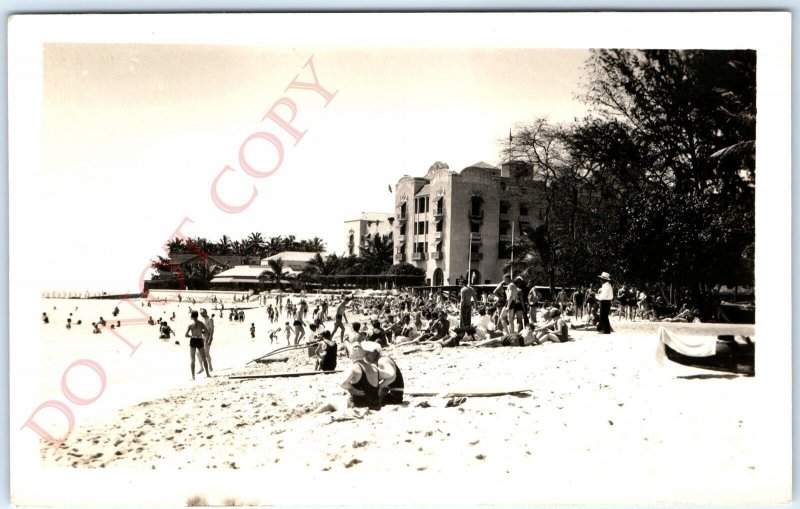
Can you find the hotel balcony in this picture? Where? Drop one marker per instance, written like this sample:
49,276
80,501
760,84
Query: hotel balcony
475,237
438,213
437,255
400,257
476,214
505,238
402,217
437,235
401,238
417,256
476,257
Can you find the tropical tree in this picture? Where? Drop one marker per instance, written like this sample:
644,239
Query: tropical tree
255,244
224,246
377,253
176,246
277,272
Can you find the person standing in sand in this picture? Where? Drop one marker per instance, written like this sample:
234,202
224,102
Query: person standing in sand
195,332
604,297
341,318
502,300
208,337
468,295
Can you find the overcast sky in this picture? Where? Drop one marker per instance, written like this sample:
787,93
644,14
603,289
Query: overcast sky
134,136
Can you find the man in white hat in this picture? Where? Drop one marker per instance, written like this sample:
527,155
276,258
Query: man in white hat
604,297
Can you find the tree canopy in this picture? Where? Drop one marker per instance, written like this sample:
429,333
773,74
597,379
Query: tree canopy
657,184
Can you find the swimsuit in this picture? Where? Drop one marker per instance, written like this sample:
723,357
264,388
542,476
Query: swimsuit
196,342
513,340
371,398
328,362
394,397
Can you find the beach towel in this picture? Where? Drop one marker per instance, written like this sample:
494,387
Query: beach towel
693,346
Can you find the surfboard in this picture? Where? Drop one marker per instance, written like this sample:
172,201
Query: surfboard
451,392
283,375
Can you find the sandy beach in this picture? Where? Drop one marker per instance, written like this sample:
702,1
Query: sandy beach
598,406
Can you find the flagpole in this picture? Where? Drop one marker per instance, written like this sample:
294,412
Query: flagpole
512,249
469,261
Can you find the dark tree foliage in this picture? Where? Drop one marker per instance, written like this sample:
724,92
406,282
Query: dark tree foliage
658,185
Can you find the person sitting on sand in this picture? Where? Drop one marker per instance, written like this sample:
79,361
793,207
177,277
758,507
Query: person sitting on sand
45,318
439,329
391,383
326,353
150,321
526,338
378,335
556,330
95,328
355,338
195,331
361,381
69,323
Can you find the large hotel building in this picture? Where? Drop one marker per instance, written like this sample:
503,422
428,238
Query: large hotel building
451,223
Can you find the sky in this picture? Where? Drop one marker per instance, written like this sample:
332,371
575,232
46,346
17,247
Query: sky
134,135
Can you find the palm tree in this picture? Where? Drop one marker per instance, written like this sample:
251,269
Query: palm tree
377,253
274,246
176,246
276,271
289,243
255,244
316,244
224,246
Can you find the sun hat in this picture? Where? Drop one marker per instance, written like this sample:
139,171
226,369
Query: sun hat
605,276
370,346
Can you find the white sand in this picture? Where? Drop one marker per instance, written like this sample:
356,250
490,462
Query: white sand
602,415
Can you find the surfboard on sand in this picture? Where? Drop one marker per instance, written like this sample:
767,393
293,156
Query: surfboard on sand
283,375
467,391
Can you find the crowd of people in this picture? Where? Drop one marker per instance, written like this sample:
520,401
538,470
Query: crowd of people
362,328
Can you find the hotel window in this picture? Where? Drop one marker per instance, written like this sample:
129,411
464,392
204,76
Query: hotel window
422,205
440,205
420,228
476,205
439,226
523,210
420,247
403,210
504,250
474,227
505,228
504,207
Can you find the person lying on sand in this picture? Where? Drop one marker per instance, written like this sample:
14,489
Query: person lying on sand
526,338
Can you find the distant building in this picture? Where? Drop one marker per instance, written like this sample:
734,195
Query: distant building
449,223
293,261
370,223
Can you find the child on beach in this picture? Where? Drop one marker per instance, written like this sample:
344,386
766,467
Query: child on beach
288,333
195,331
273,336
252,330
